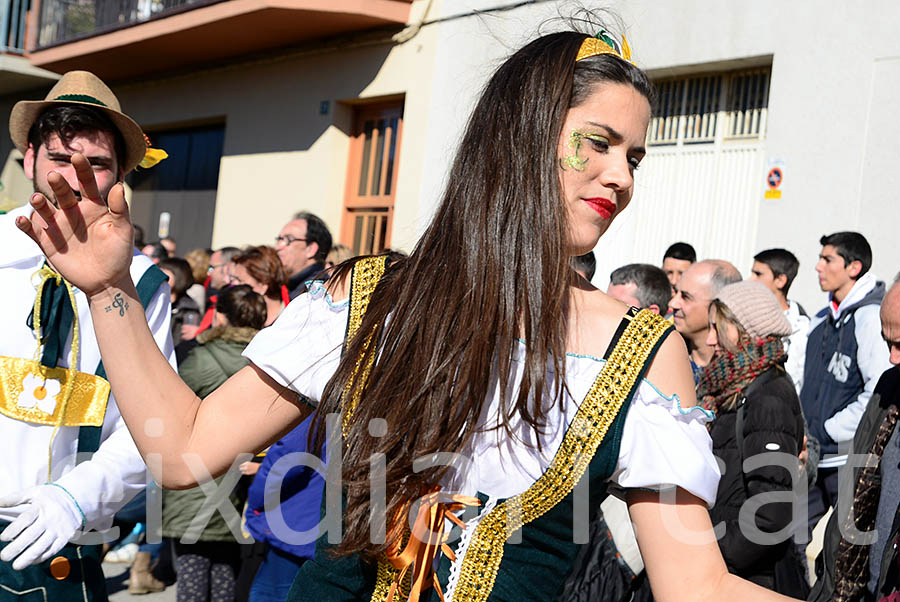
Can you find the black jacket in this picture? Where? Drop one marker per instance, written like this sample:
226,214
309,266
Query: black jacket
296,283
772,421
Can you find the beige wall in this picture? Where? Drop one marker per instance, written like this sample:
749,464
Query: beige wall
280,155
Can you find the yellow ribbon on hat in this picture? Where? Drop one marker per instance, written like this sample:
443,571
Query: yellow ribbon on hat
152,156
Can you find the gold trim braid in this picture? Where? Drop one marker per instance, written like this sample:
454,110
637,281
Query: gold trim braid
364,278
583,437
366,274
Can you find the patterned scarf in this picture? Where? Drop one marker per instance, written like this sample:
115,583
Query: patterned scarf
730,373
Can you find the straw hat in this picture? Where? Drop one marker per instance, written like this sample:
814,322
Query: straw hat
80,88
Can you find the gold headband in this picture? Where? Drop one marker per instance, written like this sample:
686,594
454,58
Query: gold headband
602,43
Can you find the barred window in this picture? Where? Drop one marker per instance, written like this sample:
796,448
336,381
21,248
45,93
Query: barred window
698,108
372,176
748,99
370,228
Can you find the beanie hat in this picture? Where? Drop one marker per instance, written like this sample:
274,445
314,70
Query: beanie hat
756,308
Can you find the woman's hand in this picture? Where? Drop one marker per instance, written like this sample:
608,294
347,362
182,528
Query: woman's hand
88,241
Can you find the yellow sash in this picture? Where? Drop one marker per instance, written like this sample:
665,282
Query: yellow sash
34,393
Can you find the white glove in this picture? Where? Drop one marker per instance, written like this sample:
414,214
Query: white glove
50,518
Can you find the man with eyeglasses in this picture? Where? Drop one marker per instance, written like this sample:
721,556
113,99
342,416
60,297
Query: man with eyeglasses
302,245
219,275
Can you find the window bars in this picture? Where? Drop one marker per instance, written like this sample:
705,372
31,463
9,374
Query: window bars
699,108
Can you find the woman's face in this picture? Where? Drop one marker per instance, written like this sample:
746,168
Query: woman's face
240,275
731,331
219,320
601,144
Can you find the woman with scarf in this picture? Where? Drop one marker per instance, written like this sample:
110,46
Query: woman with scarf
757,411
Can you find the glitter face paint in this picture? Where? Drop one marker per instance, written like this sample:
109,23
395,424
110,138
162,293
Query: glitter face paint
575,161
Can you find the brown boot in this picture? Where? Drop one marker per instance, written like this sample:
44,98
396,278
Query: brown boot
141,580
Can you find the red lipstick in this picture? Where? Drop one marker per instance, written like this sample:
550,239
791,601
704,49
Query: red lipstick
604,207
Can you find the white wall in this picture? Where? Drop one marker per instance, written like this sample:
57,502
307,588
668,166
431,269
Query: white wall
831,119
835,80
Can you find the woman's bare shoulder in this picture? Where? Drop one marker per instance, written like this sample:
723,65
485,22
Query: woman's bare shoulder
671,372
338,286
595,318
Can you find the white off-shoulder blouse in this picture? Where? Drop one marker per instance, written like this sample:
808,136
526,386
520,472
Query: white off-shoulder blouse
663,444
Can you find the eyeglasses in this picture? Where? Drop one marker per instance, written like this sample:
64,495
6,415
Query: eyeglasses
287,239
215,266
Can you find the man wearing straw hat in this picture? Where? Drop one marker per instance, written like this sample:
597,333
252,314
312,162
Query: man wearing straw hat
69,462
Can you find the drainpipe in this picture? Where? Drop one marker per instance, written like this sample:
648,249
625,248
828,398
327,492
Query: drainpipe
4,23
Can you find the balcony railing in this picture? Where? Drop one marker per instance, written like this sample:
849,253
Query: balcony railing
13,14
67,20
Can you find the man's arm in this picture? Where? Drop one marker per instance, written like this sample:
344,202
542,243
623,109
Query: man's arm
872,359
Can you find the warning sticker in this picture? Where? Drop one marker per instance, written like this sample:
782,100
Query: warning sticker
774,179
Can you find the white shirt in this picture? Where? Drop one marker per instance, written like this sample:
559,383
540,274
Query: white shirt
795,344
116,472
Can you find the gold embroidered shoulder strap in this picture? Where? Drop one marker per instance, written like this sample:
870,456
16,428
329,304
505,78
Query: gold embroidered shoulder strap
363,279
583,437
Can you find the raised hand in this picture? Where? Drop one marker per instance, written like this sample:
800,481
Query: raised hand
88,241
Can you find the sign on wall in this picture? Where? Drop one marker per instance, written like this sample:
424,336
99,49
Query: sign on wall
774,179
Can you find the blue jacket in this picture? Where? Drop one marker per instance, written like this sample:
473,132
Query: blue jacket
301,496
845,355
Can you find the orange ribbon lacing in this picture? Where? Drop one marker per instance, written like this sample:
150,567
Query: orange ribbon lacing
426,541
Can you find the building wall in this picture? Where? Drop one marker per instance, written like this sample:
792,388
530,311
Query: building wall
280,154
835,80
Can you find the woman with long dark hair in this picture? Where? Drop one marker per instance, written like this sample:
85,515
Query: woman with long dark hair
482,388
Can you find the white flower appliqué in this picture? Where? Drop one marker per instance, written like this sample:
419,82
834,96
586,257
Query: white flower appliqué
39,393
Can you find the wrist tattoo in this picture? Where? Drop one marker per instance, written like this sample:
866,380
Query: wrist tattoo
119,303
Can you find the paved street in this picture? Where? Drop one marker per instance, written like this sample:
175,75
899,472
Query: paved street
117,574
